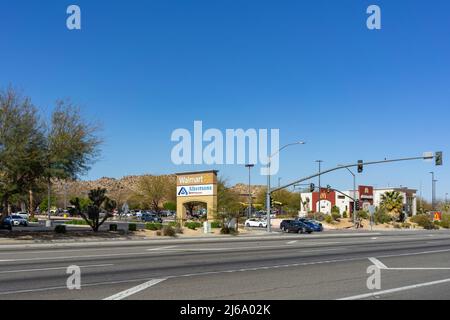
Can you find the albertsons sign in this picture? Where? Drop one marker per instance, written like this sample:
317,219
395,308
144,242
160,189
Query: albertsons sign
200,190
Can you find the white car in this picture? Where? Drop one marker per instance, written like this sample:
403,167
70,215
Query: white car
22,214
256,223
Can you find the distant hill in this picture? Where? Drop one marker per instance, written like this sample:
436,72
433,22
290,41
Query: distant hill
119,188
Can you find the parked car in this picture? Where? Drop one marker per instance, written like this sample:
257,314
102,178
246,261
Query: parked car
22,214
147,217
298,226
284,224
14,221
256,223
315,225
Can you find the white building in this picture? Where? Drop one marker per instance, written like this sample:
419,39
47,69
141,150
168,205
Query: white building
367,196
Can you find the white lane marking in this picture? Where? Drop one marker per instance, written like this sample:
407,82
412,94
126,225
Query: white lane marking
381,265
140,253
378,263
124,294
161,248
406,269
219,272
56,268
379,293
374,238
413,253
291,242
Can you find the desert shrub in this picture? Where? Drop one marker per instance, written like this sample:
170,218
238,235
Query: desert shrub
317,216
158,233
336,216
336,209
445,222
227,230
153,226
381,216
345,215
193,225
132,227
173,224
397,225
424,221
168,231
362,214
216,225
60,228
178,229
33,219
406,225
76,222
328,219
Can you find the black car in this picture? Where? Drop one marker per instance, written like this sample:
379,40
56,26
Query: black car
298,227
284,224
146,217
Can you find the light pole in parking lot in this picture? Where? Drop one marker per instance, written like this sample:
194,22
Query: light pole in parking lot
249,211
433,191
268,193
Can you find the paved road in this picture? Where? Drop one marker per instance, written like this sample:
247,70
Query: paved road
414,265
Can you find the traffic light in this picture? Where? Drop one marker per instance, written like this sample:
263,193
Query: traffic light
312,187
271,202
438,158
360,166
357,205
328,188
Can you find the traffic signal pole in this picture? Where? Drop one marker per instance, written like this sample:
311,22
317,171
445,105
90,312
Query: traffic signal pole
346,166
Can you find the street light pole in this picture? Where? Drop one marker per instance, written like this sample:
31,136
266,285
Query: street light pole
269,228
320,188
433,191
249,166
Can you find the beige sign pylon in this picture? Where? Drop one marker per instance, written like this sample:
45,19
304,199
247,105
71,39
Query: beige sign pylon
201,187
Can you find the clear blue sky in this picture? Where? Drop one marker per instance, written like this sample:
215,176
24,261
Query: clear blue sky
310,68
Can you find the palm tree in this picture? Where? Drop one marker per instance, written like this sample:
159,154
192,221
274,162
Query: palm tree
392,202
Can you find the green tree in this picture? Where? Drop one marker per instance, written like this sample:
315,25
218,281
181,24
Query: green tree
22,142
392,202
170,205
43,206
152,191
72,144
228,203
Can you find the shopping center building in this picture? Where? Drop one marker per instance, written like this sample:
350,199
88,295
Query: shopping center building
367,195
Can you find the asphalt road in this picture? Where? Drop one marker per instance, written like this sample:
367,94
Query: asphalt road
412,265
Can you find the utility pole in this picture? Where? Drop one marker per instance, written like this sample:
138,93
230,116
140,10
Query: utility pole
354,192
320,188
433,191
249,166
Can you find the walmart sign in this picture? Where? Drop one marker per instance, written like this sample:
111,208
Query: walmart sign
200,190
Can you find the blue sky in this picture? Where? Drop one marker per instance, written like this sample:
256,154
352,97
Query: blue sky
310,68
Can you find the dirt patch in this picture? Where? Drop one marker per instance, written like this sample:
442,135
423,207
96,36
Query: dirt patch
69,235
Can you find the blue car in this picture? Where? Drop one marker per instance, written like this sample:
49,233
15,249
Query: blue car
316,226
14,220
